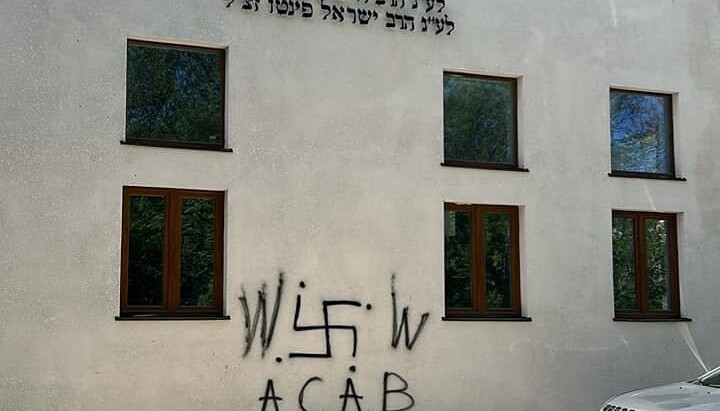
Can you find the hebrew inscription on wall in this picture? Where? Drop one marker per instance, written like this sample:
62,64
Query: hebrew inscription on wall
422,16
396,391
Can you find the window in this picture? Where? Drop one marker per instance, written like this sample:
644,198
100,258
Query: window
645,268
172,252
175,95
482,267
480,121
641,134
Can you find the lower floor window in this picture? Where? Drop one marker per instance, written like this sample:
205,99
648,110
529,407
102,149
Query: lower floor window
645,265
172,252
482,266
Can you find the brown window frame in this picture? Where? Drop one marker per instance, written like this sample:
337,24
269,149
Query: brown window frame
477,263
216,146
641,277
513,81
171,254
671,139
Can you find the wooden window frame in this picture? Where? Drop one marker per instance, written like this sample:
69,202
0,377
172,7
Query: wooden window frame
641,276
671,139
171,254
144,141
513,81
477,262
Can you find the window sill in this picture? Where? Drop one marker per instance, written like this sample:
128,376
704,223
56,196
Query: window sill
653,320
501,167
649,176
488,319
172,144
146,317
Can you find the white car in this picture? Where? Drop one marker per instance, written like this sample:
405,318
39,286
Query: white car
701,394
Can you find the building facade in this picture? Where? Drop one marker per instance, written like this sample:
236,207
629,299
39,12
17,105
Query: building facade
331,228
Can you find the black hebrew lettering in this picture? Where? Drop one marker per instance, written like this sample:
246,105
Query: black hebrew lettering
428,15
354,14
270,395
248,4
411,19
404,323
307,9
325,7
266,329
449,23
285,7
403,26
350,393
337,13
301,395
388,22
440,24
326,327
402,391
365,15
282,7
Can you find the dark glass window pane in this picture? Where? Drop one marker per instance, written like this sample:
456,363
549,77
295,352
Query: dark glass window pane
146,246
624,275
479,119
640,132
197,254
658,264
458,279
174,95
498,260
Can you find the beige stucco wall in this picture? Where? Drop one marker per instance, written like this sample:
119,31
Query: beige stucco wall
335,178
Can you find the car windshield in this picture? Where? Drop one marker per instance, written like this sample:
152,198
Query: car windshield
711,379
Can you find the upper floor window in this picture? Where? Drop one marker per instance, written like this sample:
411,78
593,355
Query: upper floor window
175,95
172,252
641,134
645,265
480,121
482,266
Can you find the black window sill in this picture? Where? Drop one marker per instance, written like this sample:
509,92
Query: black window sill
500,167
488,319
172,144
649,176
171,318
653,320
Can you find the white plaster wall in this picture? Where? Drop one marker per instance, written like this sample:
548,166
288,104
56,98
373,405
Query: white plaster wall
335,178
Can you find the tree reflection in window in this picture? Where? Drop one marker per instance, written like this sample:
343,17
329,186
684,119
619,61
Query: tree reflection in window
481,261
479,118
641,132
174,93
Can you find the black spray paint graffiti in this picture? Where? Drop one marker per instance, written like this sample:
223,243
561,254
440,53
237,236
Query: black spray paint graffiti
404,323
350,397
267,326
267,330
326,327
394,386
270,396
339,11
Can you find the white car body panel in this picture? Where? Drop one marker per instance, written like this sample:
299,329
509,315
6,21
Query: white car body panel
684,396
